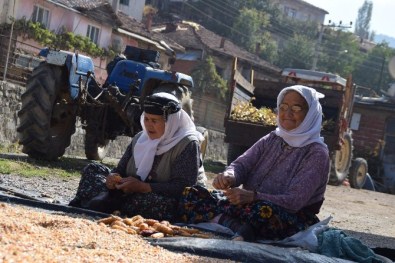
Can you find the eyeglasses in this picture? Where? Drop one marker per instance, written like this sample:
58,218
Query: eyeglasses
294,108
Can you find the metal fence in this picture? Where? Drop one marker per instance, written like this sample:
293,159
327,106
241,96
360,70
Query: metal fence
17,59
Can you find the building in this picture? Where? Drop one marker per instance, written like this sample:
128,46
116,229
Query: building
302,11
109,24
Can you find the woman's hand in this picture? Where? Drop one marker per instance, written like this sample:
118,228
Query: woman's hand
238,196
224,181
112,180
133,185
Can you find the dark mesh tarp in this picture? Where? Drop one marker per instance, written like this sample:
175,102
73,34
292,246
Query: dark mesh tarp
241,251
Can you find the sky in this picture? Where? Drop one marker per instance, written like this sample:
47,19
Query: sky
347,10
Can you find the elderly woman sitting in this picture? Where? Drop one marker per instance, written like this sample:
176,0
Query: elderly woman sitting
283,177
158,164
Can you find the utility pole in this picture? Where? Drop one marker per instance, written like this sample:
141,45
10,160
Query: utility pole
318,44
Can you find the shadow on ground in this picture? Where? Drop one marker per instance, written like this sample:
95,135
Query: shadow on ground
64,163
382,245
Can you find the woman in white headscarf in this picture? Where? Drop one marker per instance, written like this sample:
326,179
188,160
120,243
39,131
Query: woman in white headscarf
159,163
283,176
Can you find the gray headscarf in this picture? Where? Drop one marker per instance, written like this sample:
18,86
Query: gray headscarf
309,130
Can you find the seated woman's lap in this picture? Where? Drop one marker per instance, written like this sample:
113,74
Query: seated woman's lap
271,221
149,205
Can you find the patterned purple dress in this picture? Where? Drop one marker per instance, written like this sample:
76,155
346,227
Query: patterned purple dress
290,183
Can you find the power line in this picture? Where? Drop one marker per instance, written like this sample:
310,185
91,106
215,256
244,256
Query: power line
316,51
229,11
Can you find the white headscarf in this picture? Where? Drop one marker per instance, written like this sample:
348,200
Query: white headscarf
309,130
178,126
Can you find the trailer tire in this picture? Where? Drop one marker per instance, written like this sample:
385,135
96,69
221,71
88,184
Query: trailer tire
341,162
369,183
46,122
358,173
234,151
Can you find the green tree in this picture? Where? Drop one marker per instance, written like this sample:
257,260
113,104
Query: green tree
297,53
340,53
207,80
362,24
373,71
247,28
248,32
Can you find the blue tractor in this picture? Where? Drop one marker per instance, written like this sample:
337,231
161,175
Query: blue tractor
63,87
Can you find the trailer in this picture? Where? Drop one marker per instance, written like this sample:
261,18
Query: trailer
337,112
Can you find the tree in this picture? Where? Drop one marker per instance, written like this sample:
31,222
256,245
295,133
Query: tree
373,71
246,28
248,32
207,80
362,24
340,52
297,53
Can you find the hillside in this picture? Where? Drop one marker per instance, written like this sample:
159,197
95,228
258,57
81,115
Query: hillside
390,40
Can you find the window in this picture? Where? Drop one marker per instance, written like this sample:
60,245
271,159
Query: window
93,34
40,15
290,12
124,2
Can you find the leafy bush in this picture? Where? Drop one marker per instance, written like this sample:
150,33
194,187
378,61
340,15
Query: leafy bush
62,40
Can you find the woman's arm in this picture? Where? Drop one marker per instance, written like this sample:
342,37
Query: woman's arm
184,172
245,163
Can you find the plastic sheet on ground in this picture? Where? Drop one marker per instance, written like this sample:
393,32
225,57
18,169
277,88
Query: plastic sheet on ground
241,251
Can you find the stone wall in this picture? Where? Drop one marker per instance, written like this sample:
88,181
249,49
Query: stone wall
10,104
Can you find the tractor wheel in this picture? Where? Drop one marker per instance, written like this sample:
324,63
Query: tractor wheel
203,144
94,149
341,162
46,121
358,173
234,151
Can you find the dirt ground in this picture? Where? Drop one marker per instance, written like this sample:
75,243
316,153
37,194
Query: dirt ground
366,215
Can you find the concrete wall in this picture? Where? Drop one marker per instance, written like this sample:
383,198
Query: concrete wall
10,104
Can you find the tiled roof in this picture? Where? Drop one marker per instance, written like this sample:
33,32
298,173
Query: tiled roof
98,10
196,37
131,25
86,4
102,11
313,6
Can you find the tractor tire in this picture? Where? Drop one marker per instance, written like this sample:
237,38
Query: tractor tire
234,151
341,162
203,144
46,121
358,173
94,149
